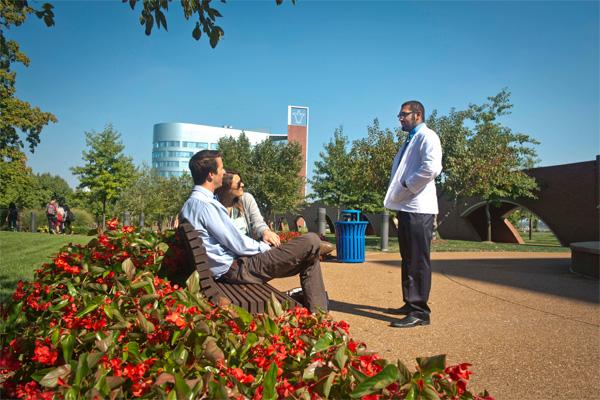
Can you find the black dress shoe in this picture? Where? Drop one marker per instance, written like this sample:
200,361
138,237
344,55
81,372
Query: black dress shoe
404,310
409,322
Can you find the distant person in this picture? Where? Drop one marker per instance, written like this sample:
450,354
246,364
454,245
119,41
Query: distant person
12,217
243,210
51,210
412,194
236,258
68,220
60,219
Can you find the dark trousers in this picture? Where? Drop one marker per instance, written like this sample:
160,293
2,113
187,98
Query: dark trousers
299,256
414,237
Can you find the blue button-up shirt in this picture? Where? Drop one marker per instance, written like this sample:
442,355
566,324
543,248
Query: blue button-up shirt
223,241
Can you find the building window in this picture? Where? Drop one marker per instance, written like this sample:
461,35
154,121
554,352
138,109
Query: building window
159,154
167,143
187,154
214,146
196,145
161,164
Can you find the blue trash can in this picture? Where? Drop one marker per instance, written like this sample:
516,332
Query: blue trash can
350,237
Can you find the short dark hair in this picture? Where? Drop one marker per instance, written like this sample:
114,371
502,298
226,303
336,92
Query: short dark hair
202,163
415,106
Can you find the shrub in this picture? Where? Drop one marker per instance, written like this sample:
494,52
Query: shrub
98,322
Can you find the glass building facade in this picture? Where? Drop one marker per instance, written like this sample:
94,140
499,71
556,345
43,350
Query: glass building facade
175,143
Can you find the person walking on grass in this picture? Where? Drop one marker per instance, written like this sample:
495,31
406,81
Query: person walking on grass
412,194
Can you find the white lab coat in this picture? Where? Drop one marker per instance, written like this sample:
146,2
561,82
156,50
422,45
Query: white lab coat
418,168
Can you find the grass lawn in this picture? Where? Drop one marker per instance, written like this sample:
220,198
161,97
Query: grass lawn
541,242
22,253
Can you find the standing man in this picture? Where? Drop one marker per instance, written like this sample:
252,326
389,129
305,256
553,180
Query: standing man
412,194
235,257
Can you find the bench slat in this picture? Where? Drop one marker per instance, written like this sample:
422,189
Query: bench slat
252,297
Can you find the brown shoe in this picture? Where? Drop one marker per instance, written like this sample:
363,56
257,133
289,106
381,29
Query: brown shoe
326,248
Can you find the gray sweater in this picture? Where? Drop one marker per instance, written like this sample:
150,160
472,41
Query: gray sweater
254,219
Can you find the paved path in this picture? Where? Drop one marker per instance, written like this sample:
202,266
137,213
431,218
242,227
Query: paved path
530,328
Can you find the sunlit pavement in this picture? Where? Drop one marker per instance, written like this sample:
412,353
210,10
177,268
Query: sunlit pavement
530,328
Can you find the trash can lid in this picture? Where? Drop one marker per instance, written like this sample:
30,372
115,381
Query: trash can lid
351,213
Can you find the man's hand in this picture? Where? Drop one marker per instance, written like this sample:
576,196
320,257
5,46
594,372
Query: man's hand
271,237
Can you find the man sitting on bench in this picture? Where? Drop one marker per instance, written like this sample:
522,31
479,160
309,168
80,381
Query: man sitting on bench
236,258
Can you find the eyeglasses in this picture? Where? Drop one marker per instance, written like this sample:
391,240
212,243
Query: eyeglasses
406,114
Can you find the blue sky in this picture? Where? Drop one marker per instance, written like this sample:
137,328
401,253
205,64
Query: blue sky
349,61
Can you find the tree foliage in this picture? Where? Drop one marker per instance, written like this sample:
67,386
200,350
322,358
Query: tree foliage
269,170
107,171
357,175
166,199
488,160
16,179
17,115
50,186
153,12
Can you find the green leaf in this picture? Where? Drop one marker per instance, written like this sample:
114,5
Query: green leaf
38,375
59,306
271,327
244,315
341,357
146,325
429,365
51,378
359,376
193,283
328,383
182,388
128,268
196,33
325,342
212,351
91,307
176,335
404,374
387,376
67,344
429,393
71,394
412,393
82,369
269,392
275,305
162,246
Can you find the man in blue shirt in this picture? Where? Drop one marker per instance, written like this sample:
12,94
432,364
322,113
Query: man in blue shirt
236,258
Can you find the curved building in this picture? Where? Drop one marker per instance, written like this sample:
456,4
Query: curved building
175,143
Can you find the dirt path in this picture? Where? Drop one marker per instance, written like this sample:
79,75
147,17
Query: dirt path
530,328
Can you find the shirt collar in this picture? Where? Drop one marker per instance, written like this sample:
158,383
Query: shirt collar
203,191
416,129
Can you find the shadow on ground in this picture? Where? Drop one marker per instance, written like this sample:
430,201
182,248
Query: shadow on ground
543,275
361,310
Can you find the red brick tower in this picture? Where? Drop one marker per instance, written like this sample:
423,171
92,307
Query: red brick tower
298,132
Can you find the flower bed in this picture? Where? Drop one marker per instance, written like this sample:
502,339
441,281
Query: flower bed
99,322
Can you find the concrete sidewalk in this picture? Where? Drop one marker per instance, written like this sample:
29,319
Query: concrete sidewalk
530,328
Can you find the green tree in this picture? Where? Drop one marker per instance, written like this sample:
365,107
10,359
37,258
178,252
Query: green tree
17,115
269,170
274,179
16,179
168,195
486,161
334,182
236,154
107,171
373,157
53,186
153,12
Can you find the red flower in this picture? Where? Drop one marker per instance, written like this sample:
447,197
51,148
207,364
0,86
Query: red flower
176,319
44,354
112,224
128,229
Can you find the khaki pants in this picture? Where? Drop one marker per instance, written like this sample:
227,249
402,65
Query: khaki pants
299,256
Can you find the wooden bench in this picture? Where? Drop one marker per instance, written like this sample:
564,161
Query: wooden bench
252,297
585,258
